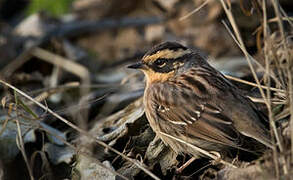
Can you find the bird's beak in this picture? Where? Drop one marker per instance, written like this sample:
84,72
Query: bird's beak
138,65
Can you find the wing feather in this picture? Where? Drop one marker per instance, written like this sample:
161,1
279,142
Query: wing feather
198,118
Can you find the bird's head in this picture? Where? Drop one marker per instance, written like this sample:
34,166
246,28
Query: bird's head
163,61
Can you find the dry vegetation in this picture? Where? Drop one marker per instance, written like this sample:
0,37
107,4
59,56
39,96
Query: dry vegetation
71,109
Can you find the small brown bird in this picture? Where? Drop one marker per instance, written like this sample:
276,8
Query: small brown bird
188,99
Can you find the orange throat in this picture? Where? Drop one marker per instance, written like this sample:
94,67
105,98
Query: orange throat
153,77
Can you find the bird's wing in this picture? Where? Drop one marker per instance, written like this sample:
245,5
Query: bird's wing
196,116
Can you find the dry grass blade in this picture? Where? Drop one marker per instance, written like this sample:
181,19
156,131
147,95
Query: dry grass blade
4,126
62,62
287,18
288,69
285,113
267,70
240,42
19,141
261,100
83,132
241,45
212,156
69,66
253,84
86,154
250,58
8,70
194,11
45,163
45,94
20,145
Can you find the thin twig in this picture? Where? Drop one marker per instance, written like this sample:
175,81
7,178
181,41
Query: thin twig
250,57
83,132
287,18
253,84
9,69
194,11
72,67
267,67
288,69
20,145
261,100
84,153
62,62
4,125
242,47
212,156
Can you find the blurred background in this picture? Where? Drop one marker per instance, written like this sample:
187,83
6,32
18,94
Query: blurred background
71,56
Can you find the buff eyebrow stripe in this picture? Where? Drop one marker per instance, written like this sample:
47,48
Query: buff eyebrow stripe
195,83
184,56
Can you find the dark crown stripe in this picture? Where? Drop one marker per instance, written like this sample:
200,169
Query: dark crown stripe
167,45
183,57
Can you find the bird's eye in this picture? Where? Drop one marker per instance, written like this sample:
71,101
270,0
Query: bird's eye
160,62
